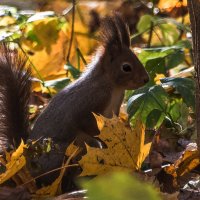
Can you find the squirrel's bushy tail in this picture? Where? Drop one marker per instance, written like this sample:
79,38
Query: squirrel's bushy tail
15,87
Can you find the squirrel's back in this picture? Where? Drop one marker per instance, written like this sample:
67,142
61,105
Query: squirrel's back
70,111
15,88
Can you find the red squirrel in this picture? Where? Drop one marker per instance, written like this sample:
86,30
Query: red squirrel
69,115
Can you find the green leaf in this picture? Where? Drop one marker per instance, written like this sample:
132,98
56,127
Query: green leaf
147,55
178,25
154,62
73,71
184,44
174,110
175,59
57,84
184,86
119,186
170,33
142,104
160,60
184,113
145,23
155,119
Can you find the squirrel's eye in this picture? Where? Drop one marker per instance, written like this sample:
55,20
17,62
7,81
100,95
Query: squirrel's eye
126,68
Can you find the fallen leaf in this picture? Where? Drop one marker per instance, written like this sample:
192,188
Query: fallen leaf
125,148
15,164
187,162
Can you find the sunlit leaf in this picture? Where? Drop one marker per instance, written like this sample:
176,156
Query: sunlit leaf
15,164
187,162
170,33
184,86
145,23
46,45
125,148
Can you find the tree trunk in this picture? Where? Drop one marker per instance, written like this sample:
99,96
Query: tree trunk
194,12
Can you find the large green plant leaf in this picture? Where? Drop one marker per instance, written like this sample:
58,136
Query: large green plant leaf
160,60
144,103
119,186
155,119
184,86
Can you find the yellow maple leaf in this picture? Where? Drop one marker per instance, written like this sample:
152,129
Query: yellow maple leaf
15,164
125,148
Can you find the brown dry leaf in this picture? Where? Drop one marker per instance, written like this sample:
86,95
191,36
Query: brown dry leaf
125,148
16,162
187,162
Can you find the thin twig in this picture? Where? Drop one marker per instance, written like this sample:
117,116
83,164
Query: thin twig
49,172
72,30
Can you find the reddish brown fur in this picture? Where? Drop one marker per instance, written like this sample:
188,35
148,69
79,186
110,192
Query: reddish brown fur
114,31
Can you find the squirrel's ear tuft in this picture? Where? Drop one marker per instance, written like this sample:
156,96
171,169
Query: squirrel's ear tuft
123,30
114,32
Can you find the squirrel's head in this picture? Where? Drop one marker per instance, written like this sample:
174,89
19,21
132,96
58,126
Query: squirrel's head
119,62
